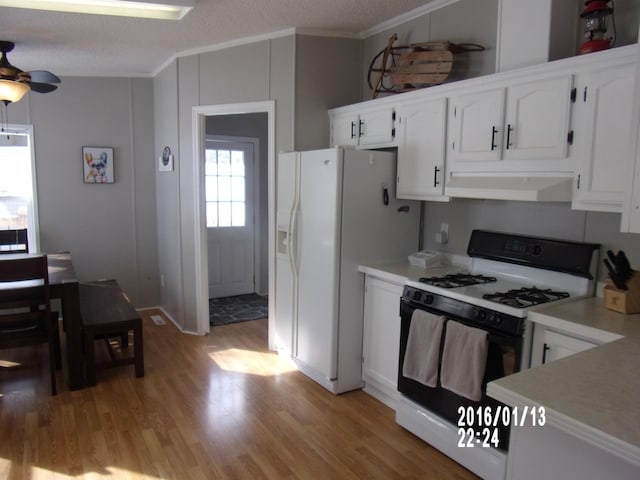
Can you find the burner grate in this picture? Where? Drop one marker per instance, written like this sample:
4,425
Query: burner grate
457,280
525,297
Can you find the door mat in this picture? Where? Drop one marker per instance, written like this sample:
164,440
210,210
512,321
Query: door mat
241,308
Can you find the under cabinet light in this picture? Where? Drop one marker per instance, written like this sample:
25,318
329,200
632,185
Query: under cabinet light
158,9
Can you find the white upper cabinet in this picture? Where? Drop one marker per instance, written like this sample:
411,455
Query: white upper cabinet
523,127
476,121
603,135
537,122
365,127
421,149
344,129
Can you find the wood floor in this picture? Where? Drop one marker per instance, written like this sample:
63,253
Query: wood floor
220,406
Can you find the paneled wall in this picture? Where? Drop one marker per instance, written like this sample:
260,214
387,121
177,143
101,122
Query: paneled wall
301,73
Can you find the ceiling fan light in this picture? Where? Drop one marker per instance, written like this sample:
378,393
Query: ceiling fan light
158,9
12,91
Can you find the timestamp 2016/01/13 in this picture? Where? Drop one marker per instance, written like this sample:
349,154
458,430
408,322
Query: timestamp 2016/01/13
501,415
479,426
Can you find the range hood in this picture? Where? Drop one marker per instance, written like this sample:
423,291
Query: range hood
523,188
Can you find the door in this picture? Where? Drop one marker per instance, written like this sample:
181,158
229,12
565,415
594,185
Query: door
287,176
381,338
476,126
375,127
317,253
229,191
604,135
421,148
537,120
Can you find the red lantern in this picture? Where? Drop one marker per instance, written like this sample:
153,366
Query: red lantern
595,14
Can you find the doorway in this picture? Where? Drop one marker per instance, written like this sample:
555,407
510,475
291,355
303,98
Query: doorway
229,120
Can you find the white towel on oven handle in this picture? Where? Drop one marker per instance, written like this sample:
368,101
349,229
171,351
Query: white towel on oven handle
464,360
423,348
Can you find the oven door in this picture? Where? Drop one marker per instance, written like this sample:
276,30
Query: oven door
503,359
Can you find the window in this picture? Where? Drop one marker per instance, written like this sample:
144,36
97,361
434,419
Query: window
17,182
225,179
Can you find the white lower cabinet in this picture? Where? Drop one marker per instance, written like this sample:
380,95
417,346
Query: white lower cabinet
553,452
550,345
381,340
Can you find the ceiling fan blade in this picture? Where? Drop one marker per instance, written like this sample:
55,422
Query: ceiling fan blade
42,76
42,87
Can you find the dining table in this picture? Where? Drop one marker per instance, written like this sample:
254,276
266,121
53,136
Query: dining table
64,285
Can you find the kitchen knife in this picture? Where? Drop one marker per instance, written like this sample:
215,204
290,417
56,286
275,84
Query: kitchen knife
623,267
614,276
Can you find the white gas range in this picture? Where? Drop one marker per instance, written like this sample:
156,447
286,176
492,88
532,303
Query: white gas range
508,276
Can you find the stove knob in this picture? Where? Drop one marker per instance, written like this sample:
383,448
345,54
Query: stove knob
416,295
496,319
482,315
428,299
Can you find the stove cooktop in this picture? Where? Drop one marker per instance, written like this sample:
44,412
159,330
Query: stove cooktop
525,297
454,280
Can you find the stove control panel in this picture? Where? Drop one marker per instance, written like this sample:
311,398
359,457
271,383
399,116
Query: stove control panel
472,315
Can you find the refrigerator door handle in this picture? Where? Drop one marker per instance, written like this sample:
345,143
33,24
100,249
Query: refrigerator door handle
293,215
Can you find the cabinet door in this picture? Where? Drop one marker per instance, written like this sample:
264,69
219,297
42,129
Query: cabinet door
549,345
381,343
376,127
603,136
537,120
476,126
344,130
421,148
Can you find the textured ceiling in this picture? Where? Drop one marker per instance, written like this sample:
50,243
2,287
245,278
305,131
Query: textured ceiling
94,45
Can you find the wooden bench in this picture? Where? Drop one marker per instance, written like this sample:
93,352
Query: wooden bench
106,313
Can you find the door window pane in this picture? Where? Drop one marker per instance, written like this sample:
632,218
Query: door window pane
225,185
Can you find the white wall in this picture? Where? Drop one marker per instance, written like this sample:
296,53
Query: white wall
245,73
109,229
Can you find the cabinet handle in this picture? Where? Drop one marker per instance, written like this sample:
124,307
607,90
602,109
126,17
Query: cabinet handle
509,130
545,349
353,129
435,176
494,130
360,129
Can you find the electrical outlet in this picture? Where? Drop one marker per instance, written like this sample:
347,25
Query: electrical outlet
442,236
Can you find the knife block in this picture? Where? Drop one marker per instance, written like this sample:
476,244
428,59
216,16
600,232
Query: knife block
623,301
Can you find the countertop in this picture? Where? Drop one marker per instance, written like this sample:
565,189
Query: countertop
593,395
399,271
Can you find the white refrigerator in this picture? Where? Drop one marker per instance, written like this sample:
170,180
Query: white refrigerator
336,208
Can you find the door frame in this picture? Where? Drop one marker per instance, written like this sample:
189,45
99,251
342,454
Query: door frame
255,144
199,114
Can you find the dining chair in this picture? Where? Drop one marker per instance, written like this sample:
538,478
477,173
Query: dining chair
25,308
14,241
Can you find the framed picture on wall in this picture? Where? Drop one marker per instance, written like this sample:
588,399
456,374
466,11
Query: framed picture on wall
97,164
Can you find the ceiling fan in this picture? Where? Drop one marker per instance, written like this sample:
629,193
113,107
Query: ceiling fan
14,83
